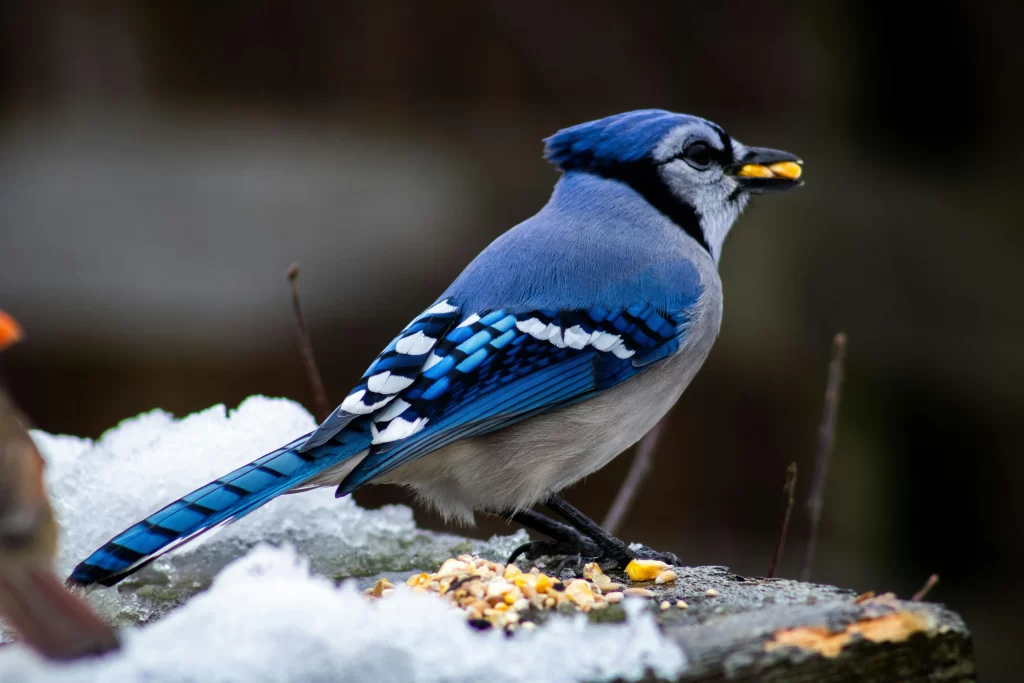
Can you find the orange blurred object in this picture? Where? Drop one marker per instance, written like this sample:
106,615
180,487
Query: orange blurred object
10,330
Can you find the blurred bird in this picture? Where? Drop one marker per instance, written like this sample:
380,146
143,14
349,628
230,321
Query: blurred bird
32,599
556,349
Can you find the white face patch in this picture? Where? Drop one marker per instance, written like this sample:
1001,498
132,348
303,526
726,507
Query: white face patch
709,191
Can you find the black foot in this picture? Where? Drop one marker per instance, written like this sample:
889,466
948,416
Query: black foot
536,549
569,556
613,551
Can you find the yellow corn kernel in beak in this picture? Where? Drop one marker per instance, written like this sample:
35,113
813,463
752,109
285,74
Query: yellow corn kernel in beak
755,171
786,169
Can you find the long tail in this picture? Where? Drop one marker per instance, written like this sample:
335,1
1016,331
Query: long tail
49,618
220,502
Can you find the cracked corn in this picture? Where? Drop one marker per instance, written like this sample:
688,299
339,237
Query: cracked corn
502,595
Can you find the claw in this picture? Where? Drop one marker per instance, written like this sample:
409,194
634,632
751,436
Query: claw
577,566
537,549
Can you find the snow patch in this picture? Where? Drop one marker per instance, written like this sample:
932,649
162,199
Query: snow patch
267,619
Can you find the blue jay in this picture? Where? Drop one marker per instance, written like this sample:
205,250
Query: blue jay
556,349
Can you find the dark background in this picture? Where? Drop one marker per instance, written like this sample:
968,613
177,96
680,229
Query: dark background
161,165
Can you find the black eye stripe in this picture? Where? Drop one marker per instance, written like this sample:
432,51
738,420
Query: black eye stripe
722,157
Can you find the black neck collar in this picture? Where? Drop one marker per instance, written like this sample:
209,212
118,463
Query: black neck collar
643,177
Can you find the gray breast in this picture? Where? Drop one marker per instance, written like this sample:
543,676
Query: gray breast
516,467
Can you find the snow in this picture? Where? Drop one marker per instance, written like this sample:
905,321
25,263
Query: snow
271,613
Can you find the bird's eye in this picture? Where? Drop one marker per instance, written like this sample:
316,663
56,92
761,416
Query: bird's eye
698,155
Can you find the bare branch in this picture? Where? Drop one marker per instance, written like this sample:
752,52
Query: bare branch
637,473
320,405
928,585
790,492
826,435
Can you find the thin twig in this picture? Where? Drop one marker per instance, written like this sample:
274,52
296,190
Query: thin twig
790,491
928,585
323,409
637,472
826,434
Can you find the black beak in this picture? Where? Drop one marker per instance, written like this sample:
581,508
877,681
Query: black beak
762,170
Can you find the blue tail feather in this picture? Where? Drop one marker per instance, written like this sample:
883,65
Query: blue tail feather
221,501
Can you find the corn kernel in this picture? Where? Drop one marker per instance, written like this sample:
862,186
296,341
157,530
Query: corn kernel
755,171
645,570
711,593
378,588
667,576
665,604
786,169
579,592
417,579
592,570
615,597
638,593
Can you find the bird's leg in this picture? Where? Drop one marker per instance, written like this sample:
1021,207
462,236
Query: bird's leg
567,540
611,547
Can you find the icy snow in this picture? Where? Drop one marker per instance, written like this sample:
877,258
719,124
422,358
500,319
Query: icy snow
270,615
266,619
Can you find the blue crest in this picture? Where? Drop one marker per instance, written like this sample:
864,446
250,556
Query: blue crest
619,139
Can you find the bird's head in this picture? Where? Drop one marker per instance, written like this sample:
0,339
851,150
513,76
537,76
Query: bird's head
688,168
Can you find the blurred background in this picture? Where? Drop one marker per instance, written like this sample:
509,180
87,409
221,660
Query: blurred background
161,165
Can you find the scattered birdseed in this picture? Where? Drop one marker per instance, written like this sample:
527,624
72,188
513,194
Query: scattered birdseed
681,604
645,570
502,596
665,604
712,593
667,576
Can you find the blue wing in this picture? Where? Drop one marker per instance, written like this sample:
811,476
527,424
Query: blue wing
496,368
393,370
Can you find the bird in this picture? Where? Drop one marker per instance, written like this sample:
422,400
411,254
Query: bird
558,347
32,599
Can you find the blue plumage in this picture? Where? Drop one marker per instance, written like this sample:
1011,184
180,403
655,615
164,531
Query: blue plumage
610,290
479,385
621,139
